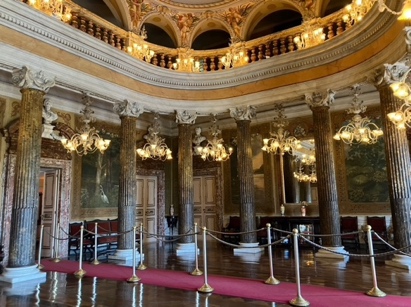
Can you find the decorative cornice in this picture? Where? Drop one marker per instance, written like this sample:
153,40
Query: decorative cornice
80,44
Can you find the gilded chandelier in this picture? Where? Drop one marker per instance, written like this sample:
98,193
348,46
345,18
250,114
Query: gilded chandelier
281,141
55,8
359,129
139,47
236,56
214,149
401,89
357,10
312,35
155,148
87,139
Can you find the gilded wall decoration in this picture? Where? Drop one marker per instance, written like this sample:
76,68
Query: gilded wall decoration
15,109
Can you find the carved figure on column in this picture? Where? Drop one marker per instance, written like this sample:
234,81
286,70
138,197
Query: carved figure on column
320,99
25,78
185,117
127,108
135,12
246,113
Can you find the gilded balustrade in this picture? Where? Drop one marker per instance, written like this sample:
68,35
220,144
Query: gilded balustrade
208,60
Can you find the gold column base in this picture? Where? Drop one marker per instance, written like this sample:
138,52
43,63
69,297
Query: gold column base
196,272
299,301
376,292
95,262
40,266
133,279
56,260
80,273
141,267
205,289
272,281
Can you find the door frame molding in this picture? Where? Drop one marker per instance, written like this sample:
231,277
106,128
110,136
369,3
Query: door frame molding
217,173
64,198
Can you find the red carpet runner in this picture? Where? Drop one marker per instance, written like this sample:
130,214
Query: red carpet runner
231,286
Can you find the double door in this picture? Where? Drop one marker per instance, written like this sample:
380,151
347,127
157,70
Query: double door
146,208
49,211
205,201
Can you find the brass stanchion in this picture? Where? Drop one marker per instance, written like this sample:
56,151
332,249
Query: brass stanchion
206,287
39,265
197,271
299,300
134,278
375,291
271,280
95,260
141,266
57,244
80,273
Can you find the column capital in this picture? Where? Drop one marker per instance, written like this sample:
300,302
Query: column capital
246,113
25,78
128,108
390,73
320,99
185,117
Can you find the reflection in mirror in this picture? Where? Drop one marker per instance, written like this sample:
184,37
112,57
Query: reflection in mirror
300,173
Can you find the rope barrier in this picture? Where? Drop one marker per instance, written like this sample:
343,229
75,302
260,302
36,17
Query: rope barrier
297,237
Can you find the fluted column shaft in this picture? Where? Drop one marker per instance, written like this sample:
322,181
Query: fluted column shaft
326,179
185,179
127,192
26,184
398,169
245,175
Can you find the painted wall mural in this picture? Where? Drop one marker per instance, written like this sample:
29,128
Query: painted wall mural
366,173
100,177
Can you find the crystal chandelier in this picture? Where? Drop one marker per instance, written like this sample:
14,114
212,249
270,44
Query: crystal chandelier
236,56
280,141
214,149
55,8
301,176
139,47
359,129
87,139
312,35
155,147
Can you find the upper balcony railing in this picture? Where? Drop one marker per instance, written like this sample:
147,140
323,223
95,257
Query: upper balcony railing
311,33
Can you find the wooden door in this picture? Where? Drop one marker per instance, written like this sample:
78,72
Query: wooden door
147,205
205,202
49,211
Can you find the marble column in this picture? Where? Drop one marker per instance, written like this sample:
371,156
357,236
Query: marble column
23,230
185,121
127,198
243,118
398,162
326,178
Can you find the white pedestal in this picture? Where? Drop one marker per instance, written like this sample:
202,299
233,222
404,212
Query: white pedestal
125,257
322,253
186,249
248,248
27,273
400,261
